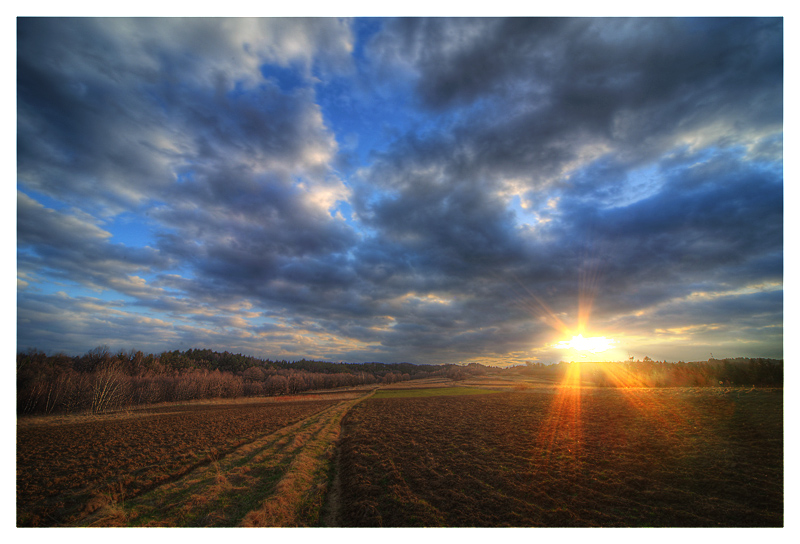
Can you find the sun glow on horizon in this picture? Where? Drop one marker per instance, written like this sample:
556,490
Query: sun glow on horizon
588,285
593,344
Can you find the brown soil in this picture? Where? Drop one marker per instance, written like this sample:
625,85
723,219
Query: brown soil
68,470
566,457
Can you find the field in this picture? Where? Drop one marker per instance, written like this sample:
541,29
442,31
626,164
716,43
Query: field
566,457
83,471
490,454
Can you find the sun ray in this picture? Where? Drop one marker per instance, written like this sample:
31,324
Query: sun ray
594,344
562,430
560,438
588,278
581,341
666,417
541,309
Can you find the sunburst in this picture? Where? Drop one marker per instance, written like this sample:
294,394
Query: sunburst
593,344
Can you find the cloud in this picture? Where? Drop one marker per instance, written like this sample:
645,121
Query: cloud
111,109
429,190
77,324
541,97
174,117
624,144
76,249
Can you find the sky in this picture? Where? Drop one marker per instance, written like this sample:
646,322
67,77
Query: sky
422,190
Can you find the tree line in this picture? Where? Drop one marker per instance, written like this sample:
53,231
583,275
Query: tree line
101,380
732,372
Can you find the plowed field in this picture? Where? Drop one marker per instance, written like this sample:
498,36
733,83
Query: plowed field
67,471
566,457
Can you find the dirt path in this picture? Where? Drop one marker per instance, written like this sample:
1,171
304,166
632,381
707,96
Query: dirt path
279,480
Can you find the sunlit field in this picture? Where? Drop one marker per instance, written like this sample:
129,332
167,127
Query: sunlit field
483,452
566,457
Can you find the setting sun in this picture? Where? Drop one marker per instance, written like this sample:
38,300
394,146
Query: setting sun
594,344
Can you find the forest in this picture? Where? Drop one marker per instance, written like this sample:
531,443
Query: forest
102,380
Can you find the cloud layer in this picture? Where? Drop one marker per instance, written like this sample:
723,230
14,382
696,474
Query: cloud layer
424,190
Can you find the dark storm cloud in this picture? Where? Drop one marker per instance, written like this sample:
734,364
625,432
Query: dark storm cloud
544,89
715,223
587,68
81,128
454,229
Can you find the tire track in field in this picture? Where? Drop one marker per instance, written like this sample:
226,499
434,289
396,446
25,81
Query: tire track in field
278,480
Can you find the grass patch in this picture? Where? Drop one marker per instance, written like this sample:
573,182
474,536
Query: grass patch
430,392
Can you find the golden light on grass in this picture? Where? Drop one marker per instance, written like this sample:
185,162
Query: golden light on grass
664,416
562,433
562,429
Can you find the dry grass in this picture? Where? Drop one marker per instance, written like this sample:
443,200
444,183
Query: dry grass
279,479
67,470
300,494
35,420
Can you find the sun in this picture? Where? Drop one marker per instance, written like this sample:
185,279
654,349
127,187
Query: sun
593,344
